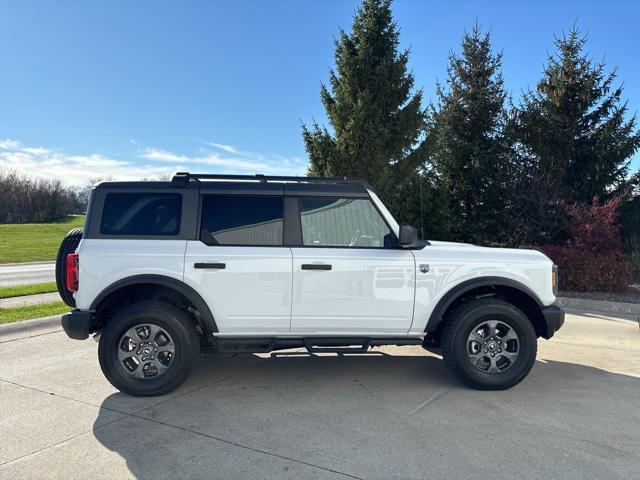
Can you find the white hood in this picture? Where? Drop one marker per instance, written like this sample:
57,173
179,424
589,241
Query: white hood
439,243
466,252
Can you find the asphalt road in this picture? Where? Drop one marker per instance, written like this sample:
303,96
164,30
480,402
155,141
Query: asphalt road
26,273
397,414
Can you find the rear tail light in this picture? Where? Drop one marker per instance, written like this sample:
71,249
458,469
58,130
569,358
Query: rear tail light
73,261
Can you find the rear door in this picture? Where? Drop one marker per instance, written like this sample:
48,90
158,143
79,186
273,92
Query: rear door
239,265
349,275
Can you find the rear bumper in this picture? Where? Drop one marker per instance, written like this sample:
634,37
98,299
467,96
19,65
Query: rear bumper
77,323
553,319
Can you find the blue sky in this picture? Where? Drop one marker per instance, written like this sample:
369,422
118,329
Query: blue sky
142,88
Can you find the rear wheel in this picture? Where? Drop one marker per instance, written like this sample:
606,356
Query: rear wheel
148,348
68,245
489,344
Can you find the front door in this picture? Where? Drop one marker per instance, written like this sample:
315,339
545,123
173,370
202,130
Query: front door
240,266
349,276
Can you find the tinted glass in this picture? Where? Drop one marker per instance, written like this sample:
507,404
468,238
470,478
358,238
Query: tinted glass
141,214
343,222
243,220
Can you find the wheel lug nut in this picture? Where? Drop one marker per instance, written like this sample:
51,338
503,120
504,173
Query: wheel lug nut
493,354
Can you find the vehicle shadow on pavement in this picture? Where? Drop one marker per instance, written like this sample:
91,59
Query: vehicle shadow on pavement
380,416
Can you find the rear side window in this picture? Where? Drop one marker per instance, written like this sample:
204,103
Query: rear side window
141,214
242,220
343,222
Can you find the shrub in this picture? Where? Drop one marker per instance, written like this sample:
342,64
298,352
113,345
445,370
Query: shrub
592,259
595,227
631,249
583,271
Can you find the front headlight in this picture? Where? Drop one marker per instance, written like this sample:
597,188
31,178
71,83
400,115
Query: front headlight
554,279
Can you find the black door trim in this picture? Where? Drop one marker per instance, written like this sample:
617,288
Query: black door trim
218,266
315,266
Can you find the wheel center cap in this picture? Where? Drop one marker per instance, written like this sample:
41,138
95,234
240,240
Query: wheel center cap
146,350
492,346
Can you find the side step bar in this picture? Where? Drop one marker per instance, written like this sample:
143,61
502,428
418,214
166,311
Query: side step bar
336,345
351,345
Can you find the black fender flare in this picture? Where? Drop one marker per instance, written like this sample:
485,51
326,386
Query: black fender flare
163,281
461,288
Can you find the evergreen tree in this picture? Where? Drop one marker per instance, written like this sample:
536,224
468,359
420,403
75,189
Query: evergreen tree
470,148
376,118
574,124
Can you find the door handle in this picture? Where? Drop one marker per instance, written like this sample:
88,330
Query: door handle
218,266
316,266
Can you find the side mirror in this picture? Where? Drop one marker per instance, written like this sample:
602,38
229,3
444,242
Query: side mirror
408,235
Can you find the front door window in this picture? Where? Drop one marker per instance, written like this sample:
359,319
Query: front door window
342,222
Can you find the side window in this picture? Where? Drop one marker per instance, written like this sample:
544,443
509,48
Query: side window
242,220
141,214
343,222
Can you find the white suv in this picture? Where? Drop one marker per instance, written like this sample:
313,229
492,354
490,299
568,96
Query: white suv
164,271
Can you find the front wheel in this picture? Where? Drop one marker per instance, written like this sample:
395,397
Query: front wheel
148,348
489,344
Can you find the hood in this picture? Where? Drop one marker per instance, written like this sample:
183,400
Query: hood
468,252
438,243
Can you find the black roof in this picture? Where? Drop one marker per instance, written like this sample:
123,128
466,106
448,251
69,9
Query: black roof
253,184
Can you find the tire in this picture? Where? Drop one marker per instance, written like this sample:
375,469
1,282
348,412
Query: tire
465,331
69,245
169,320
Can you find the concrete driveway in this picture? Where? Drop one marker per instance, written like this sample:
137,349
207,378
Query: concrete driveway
391,415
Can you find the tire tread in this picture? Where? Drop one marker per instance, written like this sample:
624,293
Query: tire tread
449,337
111,330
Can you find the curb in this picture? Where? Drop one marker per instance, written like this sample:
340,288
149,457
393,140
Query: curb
598,306
27,325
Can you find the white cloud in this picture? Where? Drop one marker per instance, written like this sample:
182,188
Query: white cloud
7,143
211,159
223,147
162,156
36,150
231,160
151,162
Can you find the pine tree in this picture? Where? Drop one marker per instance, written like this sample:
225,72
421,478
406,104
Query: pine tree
376,118
470,148
575,125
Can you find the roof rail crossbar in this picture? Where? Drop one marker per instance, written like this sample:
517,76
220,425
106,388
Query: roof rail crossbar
182,178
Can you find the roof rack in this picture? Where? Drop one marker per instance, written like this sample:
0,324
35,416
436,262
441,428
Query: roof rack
181,179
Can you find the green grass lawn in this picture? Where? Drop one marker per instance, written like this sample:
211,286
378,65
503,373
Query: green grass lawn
34,242
10,315
33,289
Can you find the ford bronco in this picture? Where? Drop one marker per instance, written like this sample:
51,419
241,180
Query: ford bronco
165,271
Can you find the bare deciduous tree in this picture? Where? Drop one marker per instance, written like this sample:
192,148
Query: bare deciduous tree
24,199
